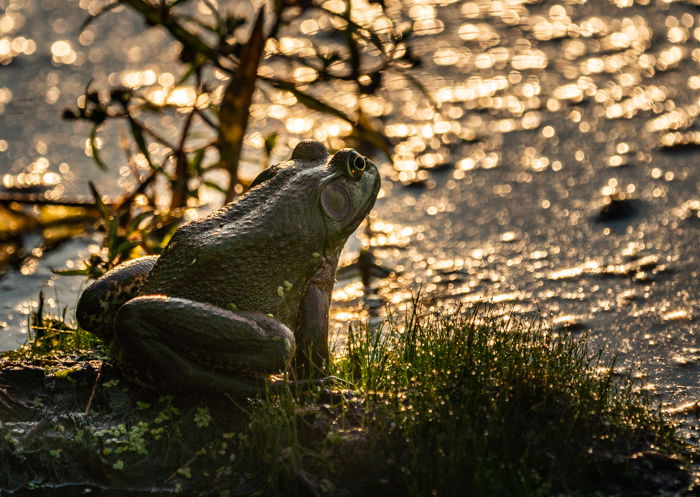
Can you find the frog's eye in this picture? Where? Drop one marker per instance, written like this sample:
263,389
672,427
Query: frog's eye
356,165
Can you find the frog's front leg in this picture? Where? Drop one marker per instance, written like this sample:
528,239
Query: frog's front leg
312,356
100,302
189,345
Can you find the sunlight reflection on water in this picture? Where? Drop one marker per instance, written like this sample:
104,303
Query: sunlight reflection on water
552,167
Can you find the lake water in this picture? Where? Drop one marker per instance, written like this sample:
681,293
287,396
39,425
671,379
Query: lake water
546,113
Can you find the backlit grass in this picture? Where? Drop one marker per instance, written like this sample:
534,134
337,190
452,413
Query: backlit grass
462,403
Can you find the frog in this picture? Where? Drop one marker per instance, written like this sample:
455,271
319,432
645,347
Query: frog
244,293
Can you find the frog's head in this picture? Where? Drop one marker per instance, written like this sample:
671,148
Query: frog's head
331,196
346,195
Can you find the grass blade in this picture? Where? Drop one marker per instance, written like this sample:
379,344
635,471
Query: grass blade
101,206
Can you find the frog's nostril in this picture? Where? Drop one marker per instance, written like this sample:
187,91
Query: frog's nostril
360,163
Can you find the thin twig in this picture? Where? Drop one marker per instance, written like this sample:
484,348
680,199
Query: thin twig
39,199
94,389
153,134
214,10
206,119
128,198
159,15
186,127
209,144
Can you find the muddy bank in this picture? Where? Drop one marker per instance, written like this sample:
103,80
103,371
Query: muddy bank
71,423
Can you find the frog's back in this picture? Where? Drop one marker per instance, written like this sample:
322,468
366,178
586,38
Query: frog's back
240,256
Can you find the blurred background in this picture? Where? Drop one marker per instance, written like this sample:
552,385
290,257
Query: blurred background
539,156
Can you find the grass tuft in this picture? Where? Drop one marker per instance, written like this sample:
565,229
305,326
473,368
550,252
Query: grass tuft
465,403
53,339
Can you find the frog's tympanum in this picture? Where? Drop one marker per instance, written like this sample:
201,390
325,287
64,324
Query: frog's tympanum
244,292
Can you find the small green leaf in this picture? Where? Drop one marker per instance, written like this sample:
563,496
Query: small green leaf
186,472
215,186
94,149
196,161
202,417
137,133
270,142
71,272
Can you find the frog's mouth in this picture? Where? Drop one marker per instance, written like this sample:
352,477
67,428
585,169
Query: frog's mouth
369,203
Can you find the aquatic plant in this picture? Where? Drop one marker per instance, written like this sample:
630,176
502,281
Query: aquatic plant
211,41
224,68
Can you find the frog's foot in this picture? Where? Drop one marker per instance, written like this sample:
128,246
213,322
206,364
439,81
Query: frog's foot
99,303
189,345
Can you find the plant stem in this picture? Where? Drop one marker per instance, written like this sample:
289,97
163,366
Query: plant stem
235,106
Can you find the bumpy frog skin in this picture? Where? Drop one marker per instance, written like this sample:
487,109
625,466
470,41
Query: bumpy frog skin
244,292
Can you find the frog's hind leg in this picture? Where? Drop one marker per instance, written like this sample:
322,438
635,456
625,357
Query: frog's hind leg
99,303
193,346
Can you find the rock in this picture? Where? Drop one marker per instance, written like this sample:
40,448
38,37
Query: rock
617,207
